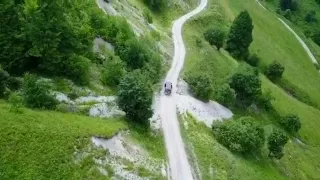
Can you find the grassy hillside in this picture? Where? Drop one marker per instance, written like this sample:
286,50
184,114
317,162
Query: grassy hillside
40,144
272,41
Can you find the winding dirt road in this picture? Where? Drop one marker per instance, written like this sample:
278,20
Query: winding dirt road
180,168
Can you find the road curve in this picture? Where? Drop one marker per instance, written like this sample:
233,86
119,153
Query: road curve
180,168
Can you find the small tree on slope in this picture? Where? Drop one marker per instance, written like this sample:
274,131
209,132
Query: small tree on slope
240,36
276,142
135,97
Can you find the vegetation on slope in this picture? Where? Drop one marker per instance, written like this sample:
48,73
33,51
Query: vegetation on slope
271,41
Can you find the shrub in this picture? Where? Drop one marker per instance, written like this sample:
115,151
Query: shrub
4,76
310,17
112,72
264,101
134,53
287,14
77,69
253,60
246,84
291,123
240,36
200,85
276,141
147,16
156,35
16,102
316,37
135,97
225,95
274,71
36,93
153,68
215,37
288,4
241,135
14,83
156,5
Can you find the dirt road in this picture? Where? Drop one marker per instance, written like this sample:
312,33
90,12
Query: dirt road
178,161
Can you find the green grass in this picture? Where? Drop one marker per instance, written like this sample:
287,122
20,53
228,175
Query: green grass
40,144
272,41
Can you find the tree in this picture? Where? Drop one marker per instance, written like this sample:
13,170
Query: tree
276,141
288,4
135,97
240,36
200,85
274,71
36,93
113,71
246,84
253,60
225,95
316,37
291,123
156,5
4,76
311,17
241,135
215,37
134,54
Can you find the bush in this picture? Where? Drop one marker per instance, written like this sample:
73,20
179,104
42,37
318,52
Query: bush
215,37
225,95
264,101
240,36
288,4
153,68
135,97
112,72
287,14
16,102
14,83
253,60
156,5
155,35
200,85
274,71
134,54
316,37
241,135
247,85
147,16
310,17
291,123
276,141
77,69
36,93
4,76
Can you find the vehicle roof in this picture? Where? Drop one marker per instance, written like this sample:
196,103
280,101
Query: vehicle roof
168,83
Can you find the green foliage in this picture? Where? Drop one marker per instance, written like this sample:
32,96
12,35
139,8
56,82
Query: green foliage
135,97
311,17
16,102
240,36
134,54
153,68
157,5
200,85
77,69
241,135
225,95
274,71
264,101
288,4
253,60
112,72
291,123
147,16
246,84
4,76
276,141
287,14
156,35
36,93
215,37
316,37
14,83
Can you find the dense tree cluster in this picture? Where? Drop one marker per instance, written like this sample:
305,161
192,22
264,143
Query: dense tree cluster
241,135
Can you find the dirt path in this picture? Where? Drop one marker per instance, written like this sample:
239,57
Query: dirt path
178,161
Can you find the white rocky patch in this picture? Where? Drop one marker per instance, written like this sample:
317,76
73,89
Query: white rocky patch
206,112
99,42
122,150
